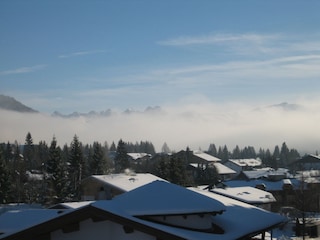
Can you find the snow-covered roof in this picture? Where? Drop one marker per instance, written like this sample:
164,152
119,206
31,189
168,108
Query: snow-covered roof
158,198
270,185
163,198
126,181
206,156
240,218
252,162
222,169
265,172
71,205
246,194
17,220
136,156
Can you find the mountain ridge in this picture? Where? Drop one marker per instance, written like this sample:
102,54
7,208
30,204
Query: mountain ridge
11,104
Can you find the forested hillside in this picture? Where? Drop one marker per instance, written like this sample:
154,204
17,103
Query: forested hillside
47,173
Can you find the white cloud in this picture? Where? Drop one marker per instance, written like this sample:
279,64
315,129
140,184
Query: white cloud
218,39
23,70
81,53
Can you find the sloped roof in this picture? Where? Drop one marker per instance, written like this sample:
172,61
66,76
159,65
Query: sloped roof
17,220
71,205
246,194
222,169
241,219
163,198
125,181
121,210
270,185
206,156
136,156
252,162
265,172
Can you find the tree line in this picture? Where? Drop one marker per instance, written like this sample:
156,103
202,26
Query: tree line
47,173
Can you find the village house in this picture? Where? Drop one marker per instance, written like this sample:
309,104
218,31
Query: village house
265,173
246,194
138,157
198,158
102,187
307,162
239,165
158,210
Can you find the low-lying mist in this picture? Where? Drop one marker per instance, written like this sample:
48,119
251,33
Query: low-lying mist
193,125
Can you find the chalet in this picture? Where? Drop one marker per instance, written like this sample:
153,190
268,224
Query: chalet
196,157
158,210
265,173
138,157
240,165
249,195
102,187
202,159
224,172
308,162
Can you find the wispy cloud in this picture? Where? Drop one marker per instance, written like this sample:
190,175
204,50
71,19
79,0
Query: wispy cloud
23,70
250,44
218,39
81,53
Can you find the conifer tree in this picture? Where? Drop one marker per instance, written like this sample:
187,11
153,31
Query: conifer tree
4,180
165,148
236,153
58,175
121,160
76,161
177,171
28,152
98,160
212,150
284,154
113,147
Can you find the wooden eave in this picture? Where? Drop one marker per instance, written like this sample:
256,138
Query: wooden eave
70,222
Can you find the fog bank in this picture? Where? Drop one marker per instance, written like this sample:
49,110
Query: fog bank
194,125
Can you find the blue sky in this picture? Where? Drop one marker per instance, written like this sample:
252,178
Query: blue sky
209,65
94,55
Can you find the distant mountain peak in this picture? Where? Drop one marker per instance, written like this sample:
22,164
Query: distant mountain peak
92,113
11,104
286,106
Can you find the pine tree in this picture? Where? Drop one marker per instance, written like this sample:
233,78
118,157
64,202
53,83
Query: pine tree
165,148
17,175
121,160
177,171
236,153
58,175
212,150
28,152
76,161
113,147
284,155
276,157
4,180
98,160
